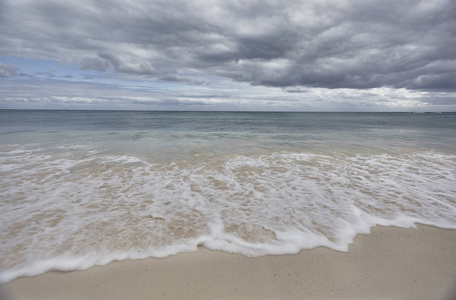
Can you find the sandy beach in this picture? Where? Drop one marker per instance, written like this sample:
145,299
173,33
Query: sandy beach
390,263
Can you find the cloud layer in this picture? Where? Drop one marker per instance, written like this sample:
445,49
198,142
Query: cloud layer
48,93
356,44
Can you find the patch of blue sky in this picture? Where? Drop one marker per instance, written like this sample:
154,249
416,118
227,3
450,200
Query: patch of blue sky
41,68
48,69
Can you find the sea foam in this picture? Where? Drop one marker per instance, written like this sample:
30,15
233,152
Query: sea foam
69,208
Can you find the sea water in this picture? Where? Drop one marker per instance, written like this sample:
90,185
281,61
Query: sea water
84,188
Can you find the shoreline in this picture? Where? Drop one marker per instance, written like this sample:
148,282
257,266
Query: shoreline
389,263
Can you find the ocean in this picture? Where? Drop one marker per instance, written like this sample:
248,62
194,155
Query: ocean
84,188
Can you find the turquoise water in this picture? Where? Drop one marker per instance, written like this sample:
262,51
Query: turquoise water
155,134
83,188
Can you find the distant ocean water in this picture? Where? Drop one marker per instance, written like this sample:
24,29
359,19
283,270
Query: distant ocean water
84,188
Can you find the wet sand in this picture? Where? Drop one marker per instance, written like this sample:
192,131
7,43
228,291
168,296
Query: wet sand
389,263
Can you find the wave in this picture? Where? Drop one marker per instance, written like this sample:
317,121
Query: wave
70,208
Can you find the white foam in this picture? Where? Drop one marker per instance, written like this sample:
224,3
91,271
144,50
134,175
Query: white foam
71,208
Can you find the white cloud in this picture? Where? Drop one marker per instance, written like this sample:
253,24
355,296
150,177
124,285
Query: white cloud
7,71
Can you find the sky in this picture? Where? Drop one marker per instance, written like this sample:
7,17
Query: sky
309,55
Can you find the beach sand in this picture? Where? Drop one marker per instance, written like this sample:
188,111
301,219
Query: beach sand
390,263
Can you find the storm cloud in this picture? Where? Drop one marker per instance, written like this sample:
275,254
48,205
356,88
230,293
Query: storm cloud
356,44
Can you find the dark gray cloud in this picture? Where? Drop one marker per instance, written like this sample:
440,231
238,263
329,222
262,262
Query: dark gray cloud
25,75
134,66
94,63
177,78
356,44
49,74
